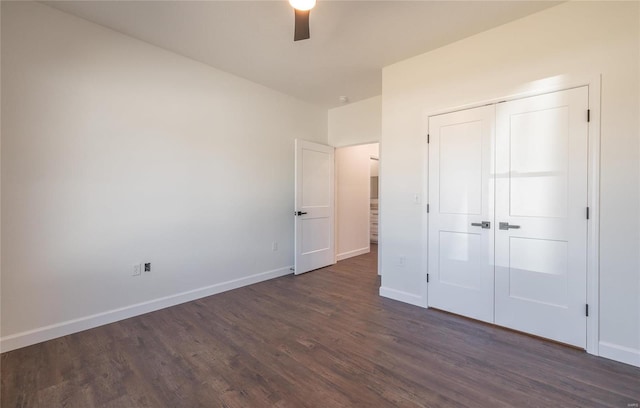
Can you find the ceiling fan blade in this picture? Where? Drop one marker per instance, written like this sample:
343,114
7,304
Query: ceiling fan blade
302,25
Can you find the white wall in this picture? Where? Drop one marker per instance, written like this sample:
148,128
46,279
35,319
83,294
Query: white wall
116,152
353,182
576,38
355,123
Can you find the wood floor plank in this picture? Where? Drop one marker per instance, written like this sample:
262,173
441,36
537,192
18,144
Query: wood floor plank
322,339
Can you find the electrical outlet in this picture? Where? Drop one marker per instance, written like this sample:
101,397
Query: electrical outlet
147,267
137,269
402,260
274,246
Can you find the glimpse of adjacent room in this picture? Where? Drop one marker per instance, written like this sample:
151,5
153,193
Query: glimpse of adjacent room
357,175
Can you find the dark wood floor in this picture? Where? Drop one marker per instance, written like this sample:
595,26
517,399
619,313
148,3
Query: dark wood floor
323,339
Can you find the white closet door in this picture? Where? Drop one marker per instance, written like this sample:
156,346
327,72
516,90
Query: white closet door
461,194
541,197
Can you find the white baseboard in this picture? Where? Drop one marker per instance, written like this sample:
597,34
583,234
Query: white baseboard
355,252
622,354
27,338
401,296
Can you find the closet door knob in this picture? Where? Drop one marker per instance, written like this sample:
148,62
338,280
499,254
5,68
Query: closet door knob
506,226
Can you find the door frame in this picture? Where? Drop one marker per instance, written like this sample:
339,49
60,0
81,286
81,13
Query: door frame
534,88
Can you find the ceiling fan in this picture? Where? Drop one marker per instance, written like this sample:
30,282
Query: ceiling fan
302,8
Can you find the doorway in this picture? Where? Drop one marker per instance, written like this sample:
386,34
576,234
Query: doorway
356,209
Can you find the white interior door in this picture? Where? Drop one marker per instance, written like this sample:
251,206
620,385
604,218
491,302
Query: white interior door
461,201
314,206
541,195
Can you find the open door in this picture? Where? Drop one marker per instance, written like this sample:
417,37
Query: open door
314,206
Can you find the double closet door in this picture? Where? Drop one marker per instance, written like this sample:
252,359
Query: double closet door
507,222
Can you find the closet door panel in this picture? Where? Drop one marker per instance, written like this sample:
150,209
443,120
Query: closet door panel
541,199
461,194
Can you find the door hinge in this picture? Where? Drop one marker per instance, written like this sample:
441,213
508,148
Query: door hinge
427,208
428,138
427,278
587,212
586,310
588,115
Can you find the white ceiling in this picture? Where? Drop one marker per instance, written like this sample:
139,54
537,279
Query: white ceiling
350,40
